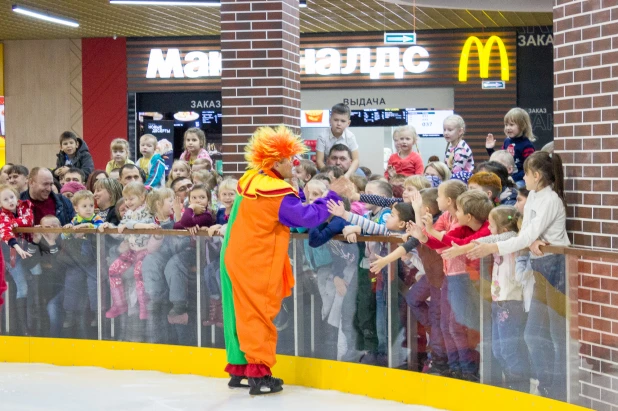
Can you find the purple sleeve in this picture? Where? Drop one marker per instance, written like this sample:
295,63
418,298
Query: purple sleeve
189,219
293,213
204,220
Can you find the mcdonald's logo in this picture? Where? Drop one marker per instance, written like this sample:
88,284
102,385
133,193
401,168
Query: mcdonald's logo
484,53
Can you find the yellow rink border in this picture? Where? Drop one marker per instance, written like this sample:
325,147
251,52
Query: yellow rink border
375,382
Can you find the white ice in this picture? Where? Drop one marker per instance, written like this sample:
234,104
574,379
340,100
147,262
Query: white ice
33,387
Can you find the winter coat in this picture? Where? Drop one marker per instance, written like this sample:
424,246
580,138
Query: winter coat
8,221
82,160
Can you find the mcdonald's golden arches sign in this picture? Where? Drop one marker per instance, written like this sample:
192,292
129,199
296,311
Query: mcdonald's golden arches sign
484,54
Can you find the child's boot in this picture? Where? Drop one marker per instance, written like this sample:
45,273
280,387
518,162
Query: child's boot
219,313
119,300
178,314
212,313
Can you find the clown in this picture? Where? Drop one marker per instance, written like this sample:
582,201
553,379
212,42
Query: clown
256,274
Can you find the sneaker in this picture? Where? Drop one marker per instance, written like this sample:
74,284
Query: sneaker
382,360
265,385
238,382
69,319
437,368
455,374
182,319
369,359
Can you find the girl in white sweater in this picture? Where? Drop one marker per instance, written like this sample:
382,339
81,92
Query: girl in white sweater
544,223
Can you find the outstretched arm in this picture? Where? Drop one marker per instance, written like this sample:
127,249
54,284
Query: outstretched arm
293,213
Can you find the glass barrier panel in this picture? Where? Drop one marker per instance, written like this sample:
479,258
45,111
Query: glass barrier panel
211,311
344,310
149,288
506,321
52,293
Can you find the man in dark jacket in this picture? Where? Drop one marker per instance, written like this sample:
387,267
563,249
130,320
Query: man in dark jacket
73,153
44,201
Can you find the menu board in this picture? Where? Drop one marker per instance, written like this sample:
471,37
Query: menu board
428,123
211,117
378,118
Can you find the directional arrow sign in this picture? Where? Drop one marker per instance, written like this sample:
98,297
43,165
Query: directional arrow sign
399,38
493,85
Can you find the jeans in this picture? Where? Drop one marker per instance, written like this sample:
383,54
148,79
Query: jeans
508,346
56,315
545,332
348,311
178,273
464,299
428,313
460,350
77,284
19,276
381,319
153,268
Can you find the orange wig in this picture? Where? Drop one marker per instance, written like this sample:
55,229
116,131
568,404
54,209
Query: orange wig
268,145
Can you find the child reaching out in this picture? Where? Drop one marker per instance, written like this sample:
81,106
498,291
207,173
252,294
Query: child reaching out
458,155
395,222
120,155
518,142
507,308
544,223
195,141
14,213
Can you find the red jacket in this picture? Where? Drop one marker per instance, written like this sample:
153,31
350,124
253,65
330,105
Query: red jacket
25,218
411,165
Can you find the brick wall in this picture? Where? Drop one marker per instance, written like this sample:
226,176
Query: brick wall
260,77
586,125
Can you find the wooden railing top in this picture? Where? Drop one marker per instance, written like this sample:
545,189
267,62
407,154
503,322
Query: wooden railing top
571,250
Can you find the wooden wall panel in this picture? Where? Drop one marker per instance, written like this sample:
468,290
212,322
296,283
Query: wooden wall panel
43,95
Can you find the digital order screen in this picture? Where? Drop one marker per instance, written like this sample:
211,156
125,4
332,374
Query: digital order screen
428,123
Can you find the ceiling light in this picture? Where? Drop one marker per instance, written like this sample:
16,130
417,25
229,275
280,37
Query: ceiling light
44,15
198,3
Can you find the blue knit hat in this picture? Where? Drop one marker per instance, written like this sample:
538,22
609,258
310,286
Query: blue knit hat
462,176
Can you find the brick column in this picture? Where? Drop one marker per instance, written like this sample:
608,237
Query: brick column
260,76
586,130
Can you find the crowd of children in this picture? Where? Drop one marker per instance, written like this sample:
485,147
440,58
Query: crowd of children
449,214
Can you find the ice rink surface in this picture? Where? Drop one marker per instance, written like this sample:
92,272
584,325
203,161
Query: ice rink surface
33,387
